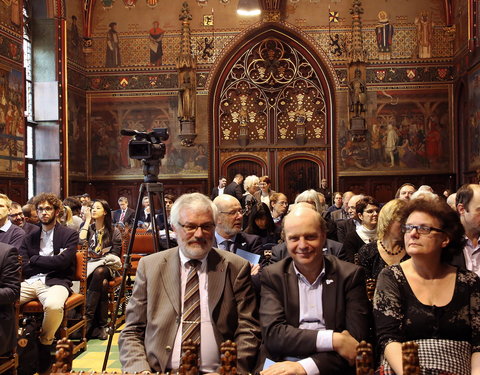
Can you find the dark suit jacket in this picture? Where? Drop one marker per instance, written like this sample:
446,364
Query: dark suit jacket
60,267
245,241
29,228
458,260
154,310
345,306
344,227
234,189
331,247
214,193
9,293
129,216
352,244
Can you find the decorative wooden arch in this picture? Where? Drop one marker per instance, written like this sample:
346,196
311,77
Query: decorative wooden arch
302,43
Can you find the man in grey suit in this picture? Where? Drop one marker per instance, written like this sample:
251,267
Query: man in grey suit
152,337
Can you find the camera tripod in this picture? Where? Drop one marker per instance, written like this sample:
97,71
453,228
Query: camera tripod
148,188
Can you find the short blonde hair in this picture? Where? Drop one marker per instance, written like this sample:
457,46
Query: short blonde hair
7,200
389,213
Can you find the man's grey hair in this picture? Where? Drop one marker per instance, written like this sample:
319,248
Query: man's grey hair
196,201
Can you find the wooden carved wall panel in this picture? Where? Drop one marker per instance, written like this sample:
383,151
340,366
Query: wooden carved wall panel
270,92
245,167
299,175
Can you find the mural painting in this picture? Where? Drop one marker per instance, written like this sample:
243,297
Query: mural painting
109,155
408,131
12,127
473,130
11,14
77,133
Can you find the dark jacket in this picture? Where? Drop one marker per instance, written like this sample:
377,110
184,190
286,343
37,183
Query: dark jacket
9,293
60,267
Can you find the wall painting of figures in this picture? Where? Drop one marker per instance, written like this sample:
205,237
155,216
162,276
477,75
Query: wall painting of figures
407,131
12,127
77,133
109,150
473,128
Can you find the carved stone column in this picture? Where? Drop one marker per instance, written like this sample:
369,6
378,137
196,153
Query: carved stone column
186,65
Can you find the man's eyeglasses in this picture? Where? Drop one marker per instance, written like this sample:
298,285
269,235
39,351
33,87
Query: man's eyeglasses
16,215
283,203
421,229
192,228
234,212
44,209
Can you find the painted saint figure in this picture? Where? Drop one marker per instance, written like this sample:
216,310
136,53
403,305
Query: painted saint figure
155,44
384,32
424,35
113,50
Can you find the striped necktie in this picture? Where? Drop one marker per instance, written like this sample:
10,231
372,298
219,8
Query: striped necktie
191,305
122,216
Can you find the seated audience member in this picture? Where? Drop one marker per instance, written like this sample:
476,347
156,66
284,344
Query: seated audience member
424,194
265,192
451,201
427,300
124,215
145,218
228,232
155,328
367,211
86,202
343,213
331,247
426,188
312,197
405,191
9,233
468,207
234,188
248,200
9,294
30,214
344,227
76,206
279,205
16,217
65,217
218,190
261,224
104,249
337,202
323,203
48,267
322,336
389,248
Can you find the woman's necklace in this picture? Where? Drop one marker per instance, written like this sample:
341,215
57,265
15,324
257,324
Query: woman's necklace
391,252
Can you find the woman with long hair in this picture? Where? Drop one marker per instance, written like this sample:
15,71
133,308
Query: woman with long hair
104,251
260,223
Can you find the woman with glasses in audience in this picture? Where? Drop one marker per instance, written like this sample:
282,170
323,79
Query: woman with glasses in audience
388,249
104,251
367,210
425,299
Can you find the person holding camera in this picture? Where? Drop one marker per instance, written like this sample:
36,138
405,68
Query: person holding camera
104,251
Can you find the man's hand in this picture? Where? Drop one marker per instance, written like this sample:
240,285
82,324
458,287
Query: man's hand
255,269
345,345
284,368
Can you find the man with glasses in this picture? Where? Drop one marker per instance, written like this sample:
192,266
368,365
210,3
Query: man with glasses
9,233
344,227
228,233
48,257
192,291
17,218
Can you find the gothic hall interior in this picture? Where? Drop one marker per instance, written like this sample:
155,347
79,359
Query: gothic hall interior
366,94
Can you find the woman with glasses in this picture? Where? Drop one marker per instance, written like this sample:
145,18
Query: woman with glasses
104,251
265,192
425,299
388,249
367,210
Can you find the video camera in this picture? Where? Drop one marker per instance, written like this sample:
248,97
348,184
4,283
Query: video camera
149,148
